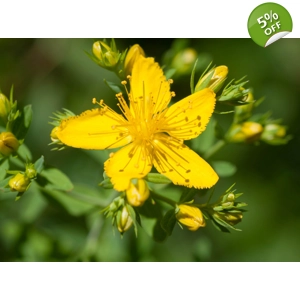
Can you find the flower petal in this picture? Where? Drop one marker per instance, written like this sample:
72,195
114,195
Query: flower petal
150,91
180,164
132,161
188,118
94,129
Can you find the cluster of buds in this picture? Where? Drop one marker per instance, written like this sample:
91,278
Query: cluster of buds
121,214
226,212
108,56
21,181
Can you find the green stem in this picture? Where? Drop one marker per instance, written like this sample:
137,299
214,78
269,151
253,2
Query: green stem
162,198
214,149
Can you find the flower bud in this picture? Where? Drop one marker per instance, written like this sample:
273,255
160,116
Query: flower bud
124,221
30,171
134,52
19,183
243,112
4,107
138,193
246,132
229,217
273,134
107,57
190,216
214,79
8,143
184,60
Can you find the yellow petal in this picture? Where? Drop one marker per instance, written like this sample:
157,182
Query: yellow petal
132,161
180,164
150,91
94,129
188,118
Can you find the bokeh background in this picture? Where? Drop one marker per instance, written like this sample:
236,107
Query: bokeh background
52,74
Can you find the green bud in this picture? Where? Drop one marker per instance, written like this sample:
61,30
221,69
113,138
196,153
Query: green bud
8,143
4,107
19,183
214,79
184,60
243,112
275,134
124,220
30,171
107,56
228,217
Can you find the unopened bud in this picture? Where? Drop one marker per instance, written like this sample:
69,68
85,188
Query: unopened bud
8,143
184,60
4,107
30,171
273,133
230,218
19,183
124,221
107,57
134,52
138,193
246,132
190,216
214,79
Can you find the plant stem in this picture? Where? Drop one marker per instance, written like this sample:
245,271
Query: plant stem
162,198
214,149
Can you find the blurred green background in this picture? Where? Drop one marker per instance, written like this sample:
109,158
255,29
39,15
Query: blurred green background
52,74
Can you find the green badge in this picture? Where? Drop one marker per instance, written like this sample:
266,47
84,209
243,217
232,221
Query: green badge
268,23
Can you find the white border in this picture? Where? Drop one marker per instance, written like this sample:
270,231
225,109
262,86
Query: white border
132,18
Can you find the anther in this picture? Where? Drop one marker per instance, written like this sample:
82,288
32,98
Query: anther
124,82
173,94
94,101
111,155
170,81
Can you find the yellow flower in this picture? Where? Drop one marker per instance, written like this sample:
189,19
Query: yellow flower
150,132
138,193
190,216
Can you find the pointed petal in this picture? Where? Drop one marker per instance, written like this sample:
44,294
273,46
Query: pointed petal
180,164
94,129
132,161
188,118
150,91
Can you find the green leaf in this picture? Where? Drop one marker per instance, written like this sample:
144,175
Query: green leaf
72,203
22,123
24,153
192,80
157,178
168,221
224,168
187,195
4,165
39,164
57,180
114,87
159,234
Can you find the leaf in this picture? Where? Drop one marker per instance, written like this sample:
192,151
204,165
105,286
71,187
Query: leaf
39,164
157,178
4,165
22,123
224,168
187,195
72,203
56,180
168,221
159,234
114,87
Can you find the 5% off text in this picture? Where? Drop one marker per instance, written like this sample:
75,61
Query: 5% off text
265,21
